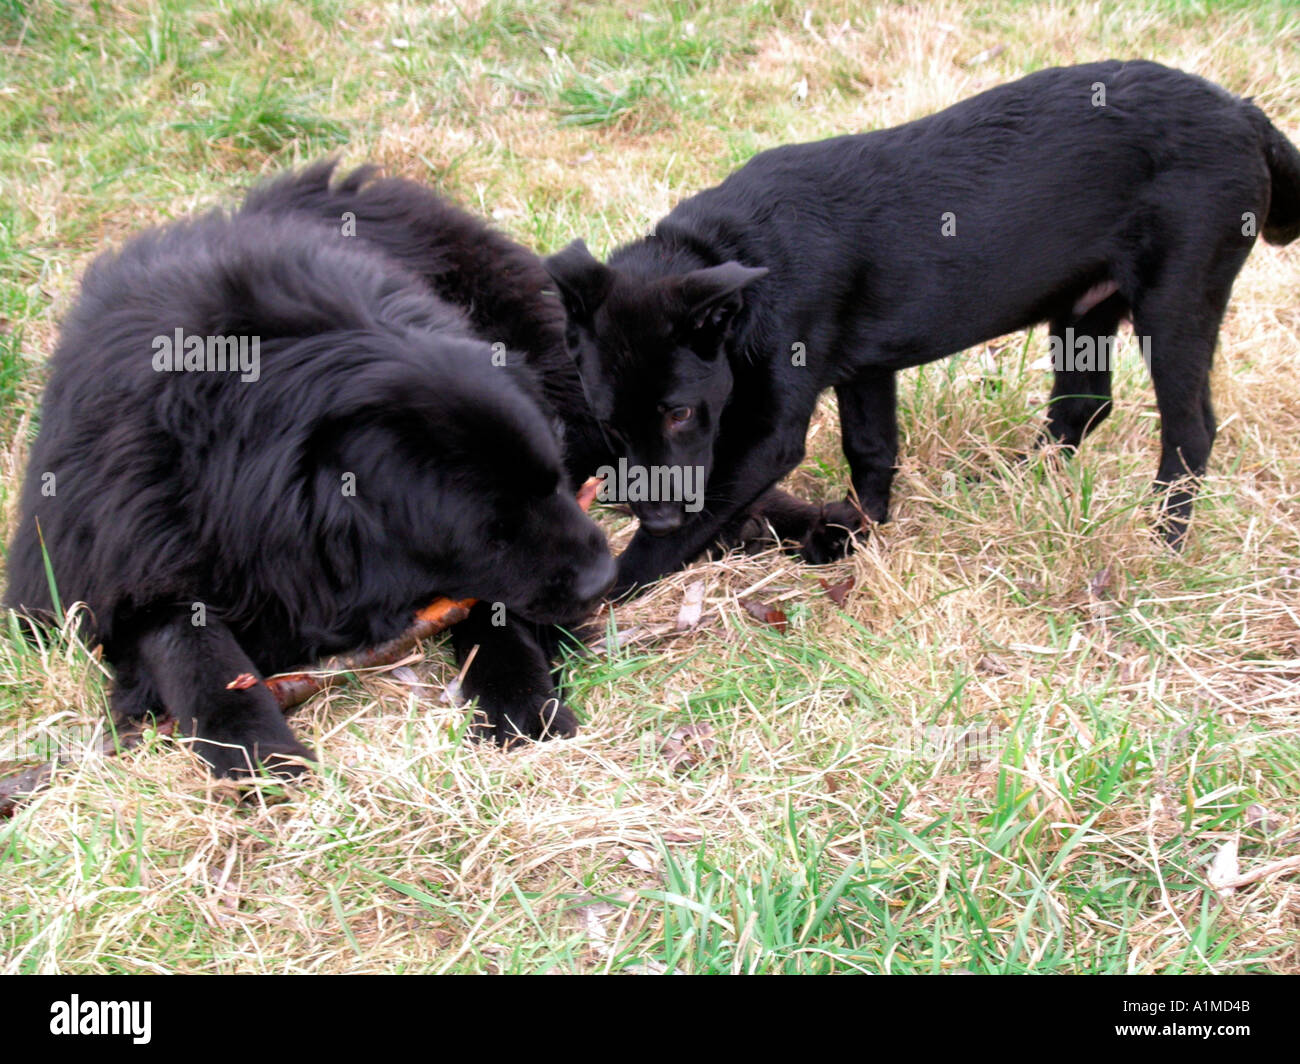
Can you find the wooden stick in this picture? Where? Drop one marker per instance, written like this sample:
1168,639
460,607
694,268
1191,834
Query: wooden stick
293,688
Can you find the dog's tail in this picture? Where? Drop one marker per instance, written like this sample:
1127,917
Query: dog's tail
1283,222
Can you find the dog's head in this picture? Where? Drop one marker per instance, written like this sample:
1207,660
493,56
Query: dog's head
652,355
460,488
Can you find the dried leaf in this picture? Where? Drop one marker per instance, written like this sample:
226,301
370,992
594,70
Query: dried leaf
1224,869
242,682
692,606
991,665
593,923
689,746
837,593
1285,867
1259,816
761,611
1100,583
987,54
639,859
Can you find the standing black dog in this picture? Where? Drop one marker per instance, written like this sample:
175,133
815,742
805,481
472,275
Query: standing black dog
1078,196
263,442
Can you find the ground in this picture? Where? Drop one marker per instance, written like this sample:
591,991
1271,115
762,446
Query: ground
1018,744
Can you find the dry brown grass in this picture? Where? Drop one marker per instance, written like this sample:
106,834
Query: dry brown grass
1028,597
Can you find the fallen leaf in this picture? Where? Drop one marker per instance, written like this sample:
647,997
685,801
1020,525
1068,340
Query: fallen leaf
692,606
242,682
639,859
1224,869
593,922
991,665
1100,583
689,746
986,55
1258,816
837,593
761,611
1285,867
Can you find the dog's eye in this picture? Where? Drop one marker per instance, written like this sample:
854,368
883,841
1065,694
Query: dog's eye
679,415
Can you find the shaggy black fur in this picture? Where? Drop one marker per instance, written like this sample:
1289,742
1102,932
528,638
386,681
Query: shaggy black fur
1077,196
382,457
505,290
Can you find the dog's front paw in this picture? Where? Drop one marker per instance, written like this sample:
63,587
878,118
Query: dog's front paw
243,746
235,759
507,726
830,537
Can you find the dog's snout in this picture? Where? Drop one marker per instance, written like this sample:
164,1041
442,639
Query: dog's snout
660,518
595,580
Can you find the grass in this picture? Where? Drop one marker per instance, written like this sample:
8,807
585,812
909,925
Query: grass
1017,746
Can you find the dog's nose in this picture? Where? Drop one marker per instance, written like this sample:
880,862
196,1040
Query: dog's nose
660,518
595,580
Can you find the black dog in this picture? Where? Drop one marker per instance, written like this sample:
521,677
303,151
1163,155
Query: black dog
505,290
1077,196
263,442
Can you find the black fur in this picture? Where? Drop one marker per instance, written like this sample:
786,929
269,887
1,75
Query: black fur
179,489
837,252
505,290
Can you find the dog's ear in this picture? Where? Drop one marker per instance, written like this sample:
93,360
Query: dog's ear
582,280
713,296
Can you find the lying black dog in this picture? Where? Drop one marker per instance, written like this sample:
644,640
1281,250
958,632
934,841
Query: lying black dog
1077,196
263,442
504,290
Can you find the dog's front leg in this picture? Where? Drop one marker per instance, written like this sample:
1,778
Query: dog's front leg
199,672
733,487
869,430
511,678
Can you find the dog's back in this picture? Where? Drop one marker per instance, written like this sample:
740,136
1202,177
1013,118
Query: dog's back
501,286
177,392
1032,186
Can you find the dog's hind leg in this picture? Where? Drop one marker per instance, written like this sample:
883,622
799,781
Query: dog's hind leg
1082,350
235,729
1177,323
